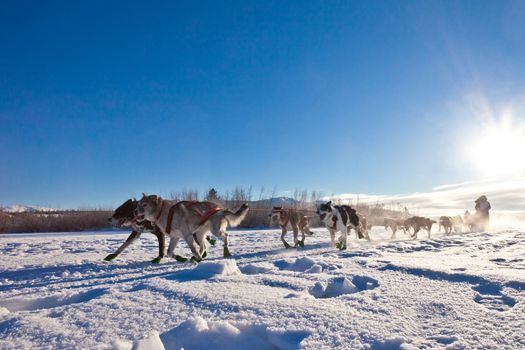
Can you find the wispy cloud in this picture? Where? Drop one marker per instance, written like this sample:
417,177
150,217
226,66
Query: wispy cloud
505,196
448,186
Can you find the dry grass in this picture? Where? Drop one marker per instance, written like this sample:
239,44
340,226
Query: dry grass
67,221
89,219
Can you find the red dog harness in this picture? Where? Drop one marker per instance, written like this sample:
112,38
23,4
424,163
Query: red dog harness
190,205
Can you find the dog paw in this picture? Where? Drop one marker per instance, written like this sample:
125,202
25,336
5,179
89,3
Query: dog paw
156,260
301,243
110,257
212,241
341,246
226,253
195,260
180,258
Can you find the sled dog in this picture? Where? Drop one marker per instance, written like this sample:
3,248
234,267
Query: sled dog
470,221
342,218
124,217
296,219
457,223
189,220
394,225
446,223
417,223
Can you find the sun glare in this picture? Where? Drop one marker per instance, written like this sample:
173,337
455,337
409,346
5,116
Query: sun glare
499,149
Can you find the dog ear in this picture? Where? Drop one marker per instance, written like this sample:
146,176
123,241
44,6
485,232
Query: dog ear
144,195
329,203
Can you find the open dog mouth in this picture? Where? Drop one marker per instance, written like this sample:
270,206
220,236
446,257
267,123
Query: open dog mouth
118,223
140,217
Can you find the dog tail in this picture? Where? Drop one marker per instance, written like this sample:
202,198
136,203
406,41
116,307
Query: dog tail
234,219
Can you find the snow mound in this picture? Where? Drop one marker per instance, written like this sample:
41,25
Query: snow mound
223,268
197,333
390,344
342,285
206,270
304,264
152,342
335,287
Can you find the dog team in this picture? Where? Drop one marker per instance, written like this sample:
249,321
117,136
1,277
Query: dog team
197,221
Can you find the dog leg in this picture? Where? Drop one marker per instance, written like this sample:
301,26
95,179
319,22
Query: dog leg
171,248
211,240
162,245
359,231
132,237
193,247
226,252
332,237
394,229
416,230
343,239
283,233
301,242
296,237
172,245
365,233
199,238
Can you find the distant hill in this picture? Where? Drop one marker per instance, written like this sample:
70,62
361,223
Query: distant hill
25,209
276,201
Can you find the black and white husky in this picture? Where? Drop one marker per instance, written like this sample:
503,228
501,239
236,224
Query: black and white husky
342,218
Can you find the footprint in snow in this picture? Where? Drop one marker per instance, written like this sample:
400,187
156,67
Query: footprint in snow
306,265
488,293
342,285
50,302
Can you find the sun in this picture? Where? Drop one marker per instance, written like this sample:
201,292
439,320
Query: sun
499,148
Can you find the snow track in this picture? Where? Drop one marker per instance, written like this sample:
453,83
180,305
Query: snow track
455,292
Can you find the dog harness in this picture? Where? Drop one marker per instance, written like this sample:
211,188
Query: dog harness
190,205
204,216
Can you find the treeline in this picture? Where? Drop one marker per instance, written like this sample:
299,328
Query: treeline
260,200
63,221
303,200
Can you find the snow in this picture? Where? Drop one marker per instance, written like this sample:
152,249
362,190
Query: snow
17,208
463,291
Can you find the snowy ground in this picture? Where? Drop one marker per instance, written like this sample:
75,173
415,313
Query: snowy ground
458,292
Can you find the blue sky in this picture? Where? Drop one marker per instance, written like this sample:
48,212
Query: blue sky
100,101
